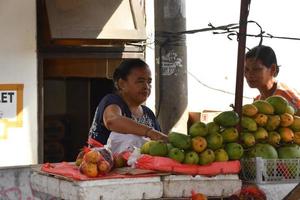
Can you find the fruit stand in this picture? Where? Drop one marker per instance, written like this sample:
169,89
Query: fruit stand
207,160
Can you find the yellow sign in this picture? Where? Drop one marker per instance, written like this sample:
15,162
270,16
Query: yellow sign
11,107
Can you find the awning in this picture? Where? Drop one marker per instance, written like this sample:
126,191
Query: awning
96,19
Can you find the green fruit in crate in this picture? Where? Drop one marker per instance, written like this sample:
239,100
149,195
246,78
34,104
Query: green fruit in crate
248,139
227,118
266,151
146,147
289,152
274,138
213,127
230,135
234,150
260,134
214,141
290,110
198,129
158,148
264,107
249,110
279,104
273,122
296,124
176,154
221,155
191,157
206,157
249,124
179,140
289,166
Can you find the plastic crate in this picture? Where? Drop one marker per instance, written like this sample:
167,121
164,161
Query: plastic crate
259,170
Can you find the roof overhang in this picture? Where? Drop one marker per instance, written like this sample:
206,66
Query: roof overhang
96,19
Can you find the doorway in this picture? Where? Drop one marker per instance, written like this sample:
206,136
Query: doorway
69,106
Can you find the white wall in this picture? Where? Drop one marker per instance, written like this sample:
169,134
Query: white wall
18,65
150,49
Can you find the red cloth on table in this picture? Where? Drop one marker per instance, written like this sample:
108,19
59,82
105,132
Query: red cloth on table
70,170
168,165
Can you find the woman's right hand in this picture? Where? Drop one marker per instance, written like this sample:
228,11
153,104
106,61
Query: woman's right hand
156,135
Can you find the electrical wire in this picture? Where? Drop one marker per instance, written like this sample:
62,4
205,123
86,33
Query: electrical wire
212,88
178,38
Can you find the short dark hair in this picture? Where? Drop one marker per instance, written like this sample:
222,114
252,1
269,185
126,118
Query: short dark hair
265,54
124,69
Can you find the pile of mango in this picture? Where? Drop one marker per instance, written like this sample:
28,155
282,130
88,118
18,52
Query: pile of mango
204,143
270,129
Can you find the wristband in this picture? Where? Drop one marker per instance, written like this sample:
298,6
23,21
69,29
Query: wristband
147,131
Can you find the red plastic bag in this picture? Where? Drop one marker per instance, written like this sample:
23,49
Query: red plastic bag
168,165
249,192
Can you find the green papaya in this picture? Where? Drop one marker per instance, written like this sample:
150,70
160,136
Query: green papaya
230,135
234,150
266,151
180,140
279,104
289,152
227,119
214,141
249,124
158,148
264,107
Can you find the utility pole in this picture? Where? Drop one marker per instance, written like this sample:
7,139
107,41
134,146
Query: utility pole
244,11
171,62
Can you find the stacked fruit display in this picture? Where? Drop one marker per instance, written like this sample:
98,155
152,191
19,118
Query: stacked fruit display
270,129
204,143
94,162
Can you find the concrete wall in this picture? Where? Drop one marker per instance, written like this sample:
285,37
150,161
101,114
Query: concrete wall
15,184
18,65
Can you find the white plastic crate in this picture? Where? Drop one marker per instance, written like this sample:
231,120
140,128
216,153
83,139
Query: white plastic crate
259,170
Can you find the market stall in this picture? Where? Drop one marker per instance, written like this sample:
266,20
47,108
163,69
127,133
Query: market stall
209,159
259,142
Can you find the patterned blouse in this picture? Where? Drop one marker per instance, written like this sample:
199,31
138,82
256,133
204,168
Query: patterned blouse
291,95
99,133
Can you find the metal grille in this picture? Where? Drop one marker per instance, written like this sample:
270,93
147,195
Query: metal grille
260,170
